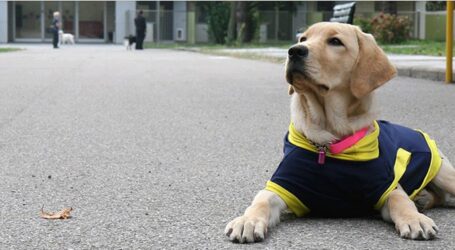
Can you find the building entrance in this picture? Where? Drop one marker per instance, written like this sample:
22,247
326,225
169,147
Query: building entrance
86,20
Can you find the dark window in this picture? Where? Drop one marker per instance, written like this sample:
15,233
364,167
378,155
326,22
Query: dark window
146,5
325,6
201,15
386,6
167,5
436,5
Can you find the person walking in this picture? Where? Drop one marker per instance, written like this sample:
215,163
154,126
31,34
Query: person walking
139,22
55,27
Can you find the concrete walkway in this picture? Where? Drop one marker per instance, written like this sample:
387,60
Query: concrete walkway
159,149
416,66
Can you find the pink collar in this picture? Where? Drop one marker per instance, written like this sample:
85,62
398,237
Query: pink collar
347,142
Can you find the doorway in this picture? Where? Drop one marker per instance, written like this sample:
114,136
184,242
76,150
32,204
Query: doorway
86,20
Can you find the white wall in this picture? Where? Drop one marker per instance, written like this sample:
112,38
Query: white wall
3,21
299,19
124,23
180,19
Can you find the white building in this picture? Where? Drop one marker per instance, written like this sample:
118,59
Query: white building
111,21
90,21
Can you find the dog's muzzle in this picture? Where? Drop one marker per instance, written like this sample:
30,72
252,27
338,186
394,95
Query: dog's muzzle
296,62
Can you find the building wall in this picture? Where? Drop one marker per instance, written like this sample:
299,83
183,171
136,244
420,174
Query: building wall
180,20
300,18
3,21
10,21
405,6
367,6
124,19
110,19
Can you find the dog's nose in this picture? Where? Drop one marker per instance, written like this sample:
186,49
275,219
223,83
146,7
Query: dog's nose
298,51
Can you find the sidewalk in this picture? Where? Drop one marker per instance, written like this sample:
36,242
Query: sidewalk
416,66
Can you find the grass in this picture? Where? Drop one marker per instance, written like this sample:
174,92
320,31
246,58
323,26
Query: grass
411,47
8,49
416,47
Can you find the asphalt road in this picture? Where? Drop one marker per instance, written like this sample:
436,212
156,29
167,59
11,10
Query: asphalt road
160,149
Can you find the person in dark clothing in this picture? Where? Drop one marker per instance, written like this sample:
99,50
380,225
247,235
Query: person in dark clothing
139,22
55,27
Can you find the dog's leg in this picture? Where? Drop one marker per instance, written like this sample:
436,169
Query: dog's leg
443,185
439,189
431,196
252,226
445,179
409,223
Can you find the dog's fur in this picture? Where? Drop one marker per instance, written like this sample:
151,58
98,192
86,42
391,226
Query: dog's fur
331,97
129,42
65,38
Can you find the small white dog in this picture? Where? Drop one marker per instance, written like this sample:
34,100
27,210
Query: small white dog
65,38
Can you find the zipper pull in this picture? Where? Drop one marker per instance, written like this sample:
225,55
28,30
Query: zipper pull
321,156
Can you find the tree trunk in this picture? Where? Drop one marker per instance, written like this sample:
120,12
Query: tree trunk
241,18
232,31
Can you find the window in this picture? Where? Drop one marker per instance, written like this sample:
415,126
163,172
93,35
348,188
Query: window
28,19
91,19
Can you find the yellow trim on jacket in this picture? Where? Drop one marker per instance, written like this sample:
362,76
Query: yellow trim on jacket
293,203
399,168
364,150
435,164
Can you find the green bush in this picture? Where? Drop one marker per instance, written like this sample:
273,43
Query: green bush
388,28
363,23
217,19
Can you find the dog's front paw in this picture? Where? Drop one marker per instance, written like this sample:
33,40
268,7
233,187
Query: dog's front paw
417,227
245,229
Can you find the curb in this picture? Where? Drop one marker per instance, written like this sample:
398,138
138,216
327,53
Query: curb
428,74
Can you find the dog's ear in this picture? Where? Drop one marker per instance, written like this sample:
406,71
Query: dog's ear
372,68
290,90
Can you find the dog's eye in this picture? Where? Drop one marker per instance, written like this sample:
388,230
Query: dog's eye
302,39
335,42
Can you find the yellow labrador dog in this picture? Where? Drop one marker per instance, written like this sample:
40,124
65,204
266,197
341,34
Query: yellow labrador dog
339,160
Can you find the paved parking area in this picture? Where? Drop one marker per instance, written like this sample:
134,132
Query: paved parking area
160,149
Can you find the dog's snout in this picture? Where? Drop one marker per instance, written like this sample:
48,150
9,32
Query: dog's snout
298,51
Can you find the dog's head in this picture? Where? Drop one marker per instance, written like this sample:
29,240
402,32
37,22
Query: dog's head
332,56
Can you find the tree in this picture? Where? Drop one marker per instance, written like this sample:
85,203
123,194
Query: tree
243,22
217,19
435,5
238,21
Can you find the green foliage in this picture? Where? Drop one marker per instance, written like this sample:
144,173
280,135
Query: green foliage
416,47
364,24
252,22
435,5
8,49
217,19
389,28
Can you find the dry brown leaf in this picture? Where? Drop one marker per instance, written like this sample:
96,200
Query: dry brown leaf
62,214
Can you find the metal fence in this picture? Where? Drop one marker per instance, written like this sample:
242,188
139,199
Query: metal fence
276,26
167,26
